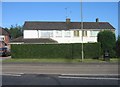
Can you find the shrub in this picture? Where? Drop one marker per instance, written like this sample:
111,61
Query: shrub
91,50
118,47
107,40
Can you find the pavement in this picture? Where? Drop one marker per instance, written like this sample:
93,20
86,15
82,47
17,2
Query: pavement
3,58
61,68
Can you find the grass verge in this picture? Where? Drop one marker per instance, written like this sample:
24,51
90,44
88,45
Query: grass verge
60,60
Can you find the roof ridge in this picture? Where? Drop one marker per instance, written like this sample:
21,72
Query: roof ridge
63,22
63,26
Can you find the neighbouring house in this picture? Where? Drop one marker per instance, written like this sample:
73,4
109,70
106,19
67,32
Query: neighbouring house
4,37
62,32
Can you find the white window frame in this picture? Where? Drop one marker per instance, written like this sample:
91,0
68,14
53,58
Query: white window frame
46,34
67,33
84,33
94,33
76,33
58,33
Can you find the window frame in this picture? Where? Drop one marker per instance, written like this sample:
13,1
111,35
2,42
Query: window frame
66,33
84,33
57,33
91,34
48,34
76,33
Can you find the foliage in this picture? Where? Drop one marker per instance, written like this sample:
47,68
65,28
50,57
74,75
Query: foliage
15,31
118,46
91,50
107,40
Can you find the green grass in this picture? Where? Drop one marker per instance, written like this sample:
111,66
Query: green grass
59,60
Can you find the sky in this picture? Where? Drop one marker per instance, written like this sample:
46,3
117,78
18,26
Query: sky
119,18
18,12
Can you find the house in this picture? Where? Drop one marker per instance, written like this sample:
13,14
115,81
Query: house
4,37
64,32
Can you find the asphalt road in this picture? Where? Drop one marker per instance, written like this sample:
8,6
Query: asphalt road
61,68
46,79
60,74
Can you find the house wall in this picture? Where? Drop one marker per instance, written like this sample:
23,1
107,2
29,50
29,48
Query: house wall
61,39
1,44
5,38
30,34
1,38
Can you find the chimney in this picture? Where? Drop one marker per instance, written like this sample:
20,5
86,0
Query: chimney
67,20
97,19
68,23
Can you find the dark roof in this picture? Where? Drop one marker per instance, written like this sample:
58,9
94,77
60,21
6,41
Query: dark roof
40,40
37,25
4,32
19,39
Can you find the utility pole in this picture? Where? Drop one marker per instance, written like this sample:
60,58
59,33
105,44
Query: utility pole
82,51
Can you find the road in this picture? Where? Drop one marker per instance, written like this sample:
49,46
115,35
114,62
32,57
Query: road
46,79
60,74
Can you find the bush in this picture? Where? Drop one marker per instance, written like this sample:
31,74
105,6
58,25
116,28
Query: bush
107,40
91,50
118,47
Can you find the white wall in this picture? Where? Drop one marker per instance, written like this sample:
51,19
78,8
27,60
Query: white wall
35,34
30,34
2,38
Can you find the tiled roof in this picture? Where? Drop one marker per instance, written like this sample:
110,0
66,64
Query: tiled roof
19,39
37,25
3,32
40,40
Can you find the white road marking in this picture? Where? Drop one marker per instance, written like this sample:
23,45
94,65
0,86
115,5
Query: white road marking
97,78
89,74
12,75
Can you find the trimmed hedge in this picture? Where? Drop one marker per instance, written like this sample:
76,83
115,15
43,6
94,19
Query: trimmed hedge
91,50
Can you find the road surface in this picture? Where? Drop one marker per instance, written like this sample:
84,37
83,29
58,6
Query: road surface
60,74
48,79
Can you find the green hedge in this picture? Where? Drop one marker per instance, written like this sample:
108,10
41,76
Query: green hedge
91,50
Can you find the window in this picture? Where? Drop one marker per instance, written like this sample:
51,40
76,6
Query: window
76,33
67,34
46,34
2,39
58,33
94,33
84,33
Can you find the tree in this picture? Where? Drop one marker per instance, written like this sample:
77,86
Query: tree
16,31
108,42
118,47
